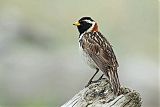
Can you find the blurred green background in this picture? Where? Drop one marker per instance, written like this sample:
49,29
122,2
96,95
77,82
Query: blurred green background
40,65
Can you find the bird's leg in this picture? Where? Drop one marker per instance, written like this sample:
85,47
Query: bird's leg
90,81
100,77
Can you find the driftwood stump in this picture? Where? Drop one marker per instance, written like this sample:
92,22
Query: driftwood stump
100,94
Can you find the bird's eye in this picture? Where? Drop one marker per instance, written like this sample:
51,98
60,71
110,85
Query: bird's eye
81,21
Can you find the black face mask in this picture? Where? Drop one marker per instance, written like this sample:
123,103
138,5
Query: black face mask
84,26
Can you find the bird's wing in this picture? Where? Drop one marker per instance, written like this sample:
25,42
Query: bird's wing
99,49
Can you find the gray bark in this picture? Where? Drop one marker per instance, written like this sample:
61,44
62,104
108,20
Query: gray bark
100,94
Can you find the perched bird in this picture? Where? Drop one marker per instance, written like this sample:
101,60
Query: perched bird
97,51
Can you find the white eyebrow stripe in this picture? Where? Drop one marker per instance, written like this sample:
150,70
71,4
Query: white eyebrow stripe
89,21
91,28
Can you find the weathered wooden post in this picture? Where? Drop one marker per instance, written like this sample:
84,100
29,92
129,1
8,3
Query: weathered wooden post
99,94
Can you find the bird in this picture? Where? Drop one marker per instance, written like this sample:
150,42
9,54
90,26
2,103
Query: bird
97,52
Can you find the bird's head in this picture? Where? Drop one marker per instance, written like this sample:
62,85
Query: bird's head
86,24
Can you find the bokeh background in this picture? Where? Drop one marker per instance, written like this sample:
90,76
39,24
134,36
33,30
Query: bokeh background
40,65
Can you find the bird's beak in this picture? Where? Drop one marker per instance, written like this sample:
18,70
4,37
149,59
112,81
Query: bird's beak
76,24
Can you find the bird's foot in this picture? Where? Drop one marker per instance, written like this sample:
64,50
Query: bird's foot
90,82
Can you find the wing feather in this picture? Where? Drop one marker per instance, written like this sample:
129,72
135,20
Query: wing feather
99,49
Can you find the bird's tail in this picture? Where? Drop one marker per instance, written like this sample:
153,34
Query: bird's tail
114,80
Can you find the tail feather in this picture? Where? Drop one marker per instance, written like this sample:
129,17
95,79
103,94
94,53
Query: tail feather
114,80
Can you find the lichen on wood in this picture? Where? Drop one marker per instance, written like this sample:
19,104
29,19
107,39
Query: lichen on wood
100,94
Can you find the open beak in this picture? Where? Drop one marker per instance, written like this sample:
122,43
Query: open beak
76,24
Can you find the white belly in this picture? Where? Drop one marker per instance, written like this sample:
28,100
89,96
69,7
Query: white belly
87,59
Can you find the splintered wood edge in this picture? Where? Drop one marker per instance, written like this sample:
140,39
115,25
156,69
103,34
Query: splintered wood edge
91,96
